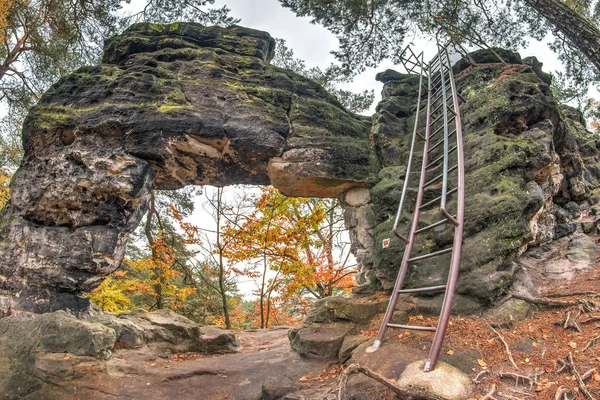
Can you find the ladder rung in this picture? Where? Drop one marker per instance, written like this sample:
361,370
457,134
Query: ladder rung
441,115
440,158
440,141
438,130
440,176
436,82
413,327
441,93
434,254
424,289
438,198
437,108
428,227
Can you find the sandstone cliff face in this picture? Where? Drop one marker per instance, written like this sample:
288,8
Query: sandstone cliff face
180,104
525,159
169,106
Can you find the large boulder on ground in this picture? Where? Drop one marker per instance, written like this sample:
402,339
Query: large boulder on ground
445,380
329,330
25,340
167,330
54,347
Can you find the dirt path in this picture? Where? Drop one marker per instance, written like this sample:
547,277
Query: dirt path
265,367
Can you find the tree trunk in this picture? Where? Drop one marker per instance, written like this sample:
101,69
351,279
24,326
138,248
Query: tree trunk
148,232
222,288
584,35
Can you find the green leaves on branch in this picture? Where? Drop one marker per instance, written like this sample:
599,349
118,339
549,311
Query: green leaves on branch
330,78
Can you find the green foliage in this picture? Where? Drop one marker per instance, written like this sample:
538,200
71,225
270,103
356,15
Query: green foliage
329,78
371,31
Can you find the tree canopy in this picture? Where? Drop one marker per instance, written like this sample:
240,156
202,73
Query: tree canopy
371,31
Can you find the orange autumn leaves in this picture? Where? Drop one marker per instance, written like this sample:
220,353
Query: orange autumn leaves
154,276
4,190
288,247
297,238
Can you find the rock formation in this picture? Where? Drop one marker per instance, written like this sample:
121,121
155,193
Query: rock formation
529,164
54,347
169,106
182,104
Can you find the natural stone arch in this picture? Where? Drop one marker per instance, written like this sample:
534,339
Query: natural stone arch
170,105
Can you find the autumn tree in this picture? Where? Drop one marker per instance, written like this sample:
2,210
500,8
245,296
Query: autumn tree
293,245
5,176
151,275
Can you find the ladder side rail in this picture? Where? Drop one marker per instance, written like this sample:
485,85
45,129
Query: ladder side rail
436,346
445,67
410,161
411,236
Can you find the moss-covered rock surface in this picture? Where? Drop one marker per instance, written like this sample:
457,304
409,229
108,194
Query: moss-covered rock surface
526,158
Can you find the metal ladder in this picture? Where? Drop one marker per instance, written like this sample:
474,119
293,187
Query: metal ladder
442,141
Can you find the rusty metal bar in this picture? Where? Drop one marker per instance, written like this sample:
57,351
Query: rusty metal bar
436,346
429,203
440,176
423,289
430,226
430,255
440,157
411,235
410,160
413,327
440,142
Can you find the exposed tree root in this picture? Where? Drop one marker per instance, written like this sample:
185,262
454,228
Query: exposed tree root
556,295
508,352
566,364
570,322
593,342
490,394
590,320
588,305
407,394
563,393
532,380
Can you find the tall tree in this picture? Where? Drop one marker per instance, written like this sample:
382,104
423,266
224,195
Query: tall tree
295,248
370,31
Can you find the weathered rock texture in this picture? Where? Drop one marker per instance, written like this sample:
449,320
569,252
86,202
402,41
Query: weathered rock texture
55,346
529,164
169,106
180,104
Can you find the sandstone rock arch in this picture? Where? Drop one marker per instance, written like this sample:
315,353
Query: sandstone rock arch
181,104
170,105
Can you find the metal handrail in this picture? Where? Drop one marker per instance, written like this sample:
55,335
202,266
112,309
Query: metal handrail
448,67
446,79
410,158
